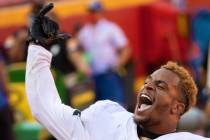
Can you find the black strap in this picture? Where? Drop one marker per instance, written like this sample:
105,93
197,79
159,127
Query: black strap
144,133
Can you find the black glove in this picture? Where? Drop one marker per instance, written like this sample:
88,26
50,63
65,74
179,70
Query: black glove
44,31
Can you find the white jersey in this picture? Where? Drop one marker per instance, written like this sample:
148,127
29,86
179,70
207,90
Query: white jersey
104,120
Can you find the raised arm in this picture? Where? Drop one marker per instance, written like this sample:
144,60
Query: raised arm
62,121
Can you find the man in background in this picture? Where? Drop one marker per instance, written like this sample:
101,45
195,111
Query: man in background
108,47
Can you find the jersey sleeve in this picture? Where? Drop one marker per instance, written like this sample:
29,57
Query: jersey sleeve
61,121
181,135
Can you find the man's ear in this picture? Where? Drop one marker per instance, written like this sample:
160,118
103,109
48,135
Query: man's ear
178,108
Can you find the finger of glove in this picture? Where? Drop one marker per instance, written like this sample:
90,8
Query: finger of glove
45,10
52,40
35,30
45,42
58,38
49,27
63,36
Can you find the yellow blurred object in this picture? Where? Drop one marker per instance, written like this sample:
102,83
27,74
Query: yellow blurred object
83,98
19,14
182,25
19,102
44,134
139,82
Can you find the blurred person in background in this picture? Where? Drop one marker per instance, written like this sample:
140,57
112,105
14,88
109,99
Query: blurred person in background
107,46
6,118
15,46
75,51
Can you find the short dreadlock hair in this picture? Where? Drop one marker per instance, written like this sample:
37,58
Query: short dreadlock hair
187,85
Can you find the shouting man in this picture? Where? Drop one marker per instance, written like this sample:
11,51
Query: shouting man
166,95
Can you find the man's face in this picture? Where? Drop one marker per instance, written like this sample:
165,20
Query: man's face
94,17
156,98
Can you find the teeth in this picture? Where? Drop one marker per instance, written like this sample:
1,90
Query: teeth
144,107
143,95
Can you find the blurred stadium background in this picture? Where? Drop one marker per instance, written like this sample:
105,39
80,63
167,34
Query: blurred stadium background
158,31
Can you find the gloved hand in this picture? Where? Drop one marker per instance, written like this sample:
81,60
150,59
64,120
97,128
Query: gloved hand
44,31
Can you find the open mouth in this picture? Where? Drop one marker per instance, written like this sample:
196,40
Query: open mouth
145,102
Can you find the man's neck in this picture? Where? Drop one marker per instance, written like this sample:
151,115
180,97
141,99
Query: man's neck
162,129
145,133
154,131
